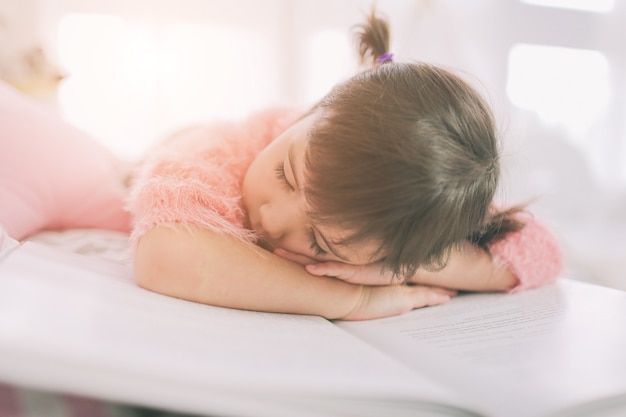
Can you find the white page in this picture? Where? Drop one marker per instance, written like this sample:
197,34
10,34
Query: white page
522,354
76,324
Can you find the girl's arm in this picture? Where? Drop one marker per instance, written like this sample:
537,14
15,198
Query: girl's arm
520,260
201,265
468,269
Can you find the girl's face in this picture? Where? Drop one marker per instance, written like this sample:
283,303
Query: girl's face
273,197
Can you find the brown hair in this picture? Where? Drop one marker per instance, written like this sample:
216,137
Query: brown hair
405,153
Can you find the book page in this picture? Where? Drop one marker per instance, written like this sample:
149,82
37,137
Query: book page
525,354
81,325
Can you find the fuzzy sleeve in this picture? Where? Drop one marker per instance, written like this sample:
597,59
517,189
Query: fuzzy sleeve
194,178
533,254
183,191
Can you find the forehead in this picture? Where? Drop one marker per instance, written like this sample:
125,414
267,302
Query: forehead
300,133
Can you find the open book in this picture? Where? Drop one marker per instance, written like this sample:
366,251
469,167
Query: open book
76,324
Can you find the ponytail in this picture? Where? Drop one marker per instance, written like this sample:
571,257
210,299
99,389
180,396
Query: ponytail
372,39
497,226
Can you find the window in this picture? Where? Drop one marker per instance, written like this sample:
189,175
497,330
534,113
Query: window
601,6
565,65
564,86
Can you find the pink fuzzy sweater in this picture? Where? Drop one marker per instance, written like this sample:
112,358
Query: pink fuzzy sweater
195,178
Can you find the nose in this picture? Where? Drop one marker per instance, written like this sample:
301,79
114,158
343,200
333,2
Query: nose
281,220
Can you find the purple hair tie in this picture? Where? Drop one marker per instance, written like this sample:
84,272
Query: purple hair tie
384,58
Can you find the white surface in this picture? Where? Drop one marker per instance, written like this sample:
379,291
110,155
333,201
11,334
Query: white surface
79,324
532,352
7,243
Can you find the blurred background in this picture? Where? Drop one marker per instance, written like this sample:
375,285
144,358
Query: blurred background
130,71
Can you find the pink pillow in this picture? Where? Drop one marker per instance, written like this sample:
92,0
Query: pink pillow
52,175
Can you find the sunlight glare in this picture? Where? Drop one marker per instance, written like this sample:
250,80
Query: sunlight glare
329,61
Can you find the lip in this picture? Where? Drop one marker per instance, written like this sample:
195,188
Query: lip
266,244
263,241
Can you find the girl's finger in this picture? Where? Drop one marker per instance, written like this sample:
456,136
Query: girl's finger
355,274
293,257
431,296
332,269
439,290
444,291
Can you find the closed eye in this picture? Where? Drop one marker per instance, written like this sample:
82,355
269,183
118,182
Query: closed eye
280,175
315,247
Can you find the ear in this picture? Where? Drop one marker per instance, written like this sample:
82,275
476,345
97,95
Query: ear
52,175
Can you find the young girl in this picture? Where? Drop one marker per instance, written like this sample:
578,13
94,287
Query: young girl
376,201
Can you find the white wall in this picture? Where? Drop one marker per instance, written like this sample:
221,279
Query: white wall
139,68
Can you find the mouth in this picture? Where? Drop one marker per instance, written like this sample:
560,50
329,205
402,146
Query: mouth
263,241
265,244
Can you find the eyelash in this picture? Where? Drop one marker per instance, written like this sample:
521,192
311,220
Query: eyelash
315,247
280,175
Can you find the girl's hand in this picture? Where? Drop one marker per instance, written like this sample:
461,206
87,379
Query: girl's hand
469,268
294,257
371,274
392,300
381,294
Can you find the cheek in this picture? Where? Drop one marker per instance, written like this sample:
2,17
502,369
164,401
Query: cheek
298,244
250,190
257,183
